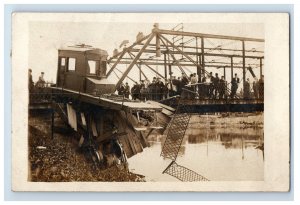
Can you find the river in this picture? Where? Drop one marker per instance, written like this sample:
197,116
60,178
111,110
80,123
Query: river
219,153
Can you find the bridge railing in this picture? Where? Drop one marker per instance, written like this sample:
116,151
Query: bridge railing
201,91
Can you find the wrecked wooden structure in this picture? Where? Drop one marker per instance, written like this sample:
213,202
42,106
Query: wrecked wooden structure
110,127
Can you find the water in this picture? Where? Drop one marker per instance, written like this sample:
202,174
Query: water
219,154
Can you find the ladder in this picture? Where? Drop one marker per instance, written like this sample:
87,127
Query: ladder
176,131
172,144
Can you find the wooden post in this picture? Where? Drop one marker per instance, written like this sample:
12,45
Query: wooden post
260,67
202,55
224,72
197,60
165,65
231,60
157,46
52,115
170,66
200,63
140,73
244,65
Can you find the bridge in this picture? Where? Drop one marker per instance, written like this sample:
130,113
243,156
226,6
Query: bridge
238,61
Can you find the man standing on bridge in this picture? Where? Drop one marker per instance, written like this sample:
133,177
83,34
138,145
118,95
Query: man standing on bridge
234,85
41,82
247,89
215,86
222,88
127,90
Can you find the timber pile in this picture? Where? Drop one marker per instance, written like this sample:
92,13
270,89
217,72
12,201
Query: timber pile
59,159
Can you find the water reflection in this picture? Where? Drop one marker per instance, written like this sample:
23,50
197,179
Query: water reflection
229,138
217,153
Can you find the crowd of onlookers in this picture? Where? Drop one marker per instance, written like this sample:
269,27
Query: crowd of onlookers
207,87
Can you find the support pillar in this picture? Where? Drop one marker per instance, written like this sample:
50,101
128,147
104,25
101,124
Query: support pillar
202,55
140,68
165,66
260,67
244,64
231,61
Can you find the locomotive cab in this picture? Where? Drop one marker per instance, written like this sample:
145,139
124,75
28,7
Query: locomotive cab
83,70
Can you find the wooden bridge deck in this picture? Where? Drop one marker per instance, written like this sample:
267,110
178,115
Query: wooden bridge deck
217,105
106,102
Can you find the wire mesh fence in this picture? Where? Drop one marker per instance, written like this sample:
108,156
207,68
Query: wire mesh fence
183,174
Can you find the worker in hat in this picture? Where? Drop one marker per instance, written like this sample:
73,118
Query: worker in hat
127,90
41,82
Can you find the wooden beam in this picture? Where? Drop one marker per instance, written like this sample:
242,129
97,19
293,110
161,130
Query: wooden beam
126,76
209,48
260,67
145,63
231,60
139,66
130,47
194,53
198,61
181,64
174,59
178,49
165,66
203,35
134,61
244,65
116,63
160,75
202,56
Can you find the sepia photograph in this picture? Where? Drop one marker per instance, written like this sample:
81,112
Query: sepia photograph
149,100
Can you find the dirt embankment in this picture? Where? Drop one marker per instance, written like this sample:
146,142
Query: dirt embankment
60,160
234,120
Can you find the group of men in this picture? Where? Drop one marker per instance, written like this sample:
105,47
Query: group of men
212,87
145,90
208,86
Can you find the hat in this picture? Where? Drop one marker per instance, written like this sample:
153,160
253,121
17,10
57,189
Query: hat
126,83
42,72
30,69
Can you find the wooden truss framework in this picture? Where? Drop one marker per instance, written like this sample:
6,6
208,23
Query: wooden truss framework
166,53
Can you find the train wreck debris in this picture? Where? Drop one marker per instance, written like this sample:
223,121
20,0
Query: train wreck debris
110,123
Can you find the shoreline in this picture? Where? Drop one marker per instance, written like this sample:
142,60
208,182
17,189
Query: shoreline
60,160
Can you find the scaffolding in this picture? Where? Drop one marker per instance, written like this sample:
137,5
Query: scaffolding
190,52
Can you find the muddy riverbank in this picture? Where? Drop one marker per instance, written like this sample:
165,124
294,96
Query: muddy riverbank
59,159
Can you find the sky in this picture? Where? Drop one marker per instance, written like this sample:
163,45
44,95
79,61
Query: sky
46,37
